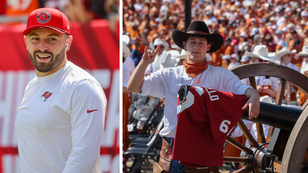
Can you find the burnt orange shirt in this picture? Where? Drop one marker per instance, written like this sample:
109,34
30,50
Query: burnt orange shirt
216,56
17,10
302,98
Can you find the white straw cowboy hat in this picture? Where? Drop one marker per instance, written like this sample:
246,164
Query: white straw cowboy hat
304,51
183,54
284,51
159,41
125,39
261,51
126,51
244,58
208,57
199,29
226,57
168,58
235,56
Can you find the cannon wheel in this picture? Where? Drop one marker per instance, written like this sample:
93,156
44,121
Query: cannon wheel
297,142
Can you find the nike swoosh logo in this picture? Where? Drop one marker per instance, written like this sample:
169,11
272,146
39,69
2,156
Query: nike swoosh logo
89,111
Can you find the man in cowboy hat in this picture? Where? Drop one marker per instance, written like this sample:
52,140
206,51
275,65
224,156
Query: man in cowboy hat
197,41
303,56
265,86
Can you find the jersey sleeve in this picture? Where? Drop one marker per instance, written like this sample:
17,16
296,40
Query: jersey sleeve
88,107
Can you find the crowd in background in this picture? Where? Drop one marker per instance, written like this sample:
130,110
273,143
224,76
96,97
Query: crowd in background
243,24
277,24
81,11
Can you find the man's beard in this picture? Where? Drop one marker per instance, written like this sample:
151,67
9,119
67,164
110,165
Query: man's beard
54,62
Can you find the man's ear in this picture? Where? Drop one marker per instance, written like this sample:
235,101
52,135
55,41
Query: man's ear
184,44
69,42
25,40
209,47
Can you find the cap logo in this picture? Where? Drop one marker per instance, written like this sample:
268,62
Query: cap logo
43,17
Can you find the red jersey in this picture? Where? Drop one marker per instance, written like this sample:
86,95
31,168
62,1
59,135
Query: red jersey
204,119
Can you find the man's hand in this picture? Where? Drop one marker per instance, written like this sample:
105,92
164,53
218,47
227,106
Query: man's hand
149,55
259,88
253,103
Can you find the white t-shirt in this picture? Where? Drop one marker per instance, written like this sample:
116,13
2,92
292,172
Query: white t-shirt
231,65
126,75
60,123
130,64
167,82
292,66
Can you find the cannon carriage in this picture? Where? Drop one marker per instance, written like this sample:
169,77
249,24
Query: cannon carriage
285,147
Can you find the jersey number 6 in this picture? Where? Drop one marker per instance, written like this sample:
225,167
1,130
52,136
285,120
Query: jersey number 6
224,126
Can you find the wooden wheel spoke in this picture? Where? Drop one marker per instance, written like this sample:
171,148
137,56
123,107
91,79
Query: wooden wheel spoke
236,159
253,82
247,134
244,169
278,101
269,134
239,145
304,105
280,92
261,137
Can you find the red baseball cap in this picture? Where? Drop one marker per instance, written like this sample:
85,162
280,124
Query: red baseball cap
48,18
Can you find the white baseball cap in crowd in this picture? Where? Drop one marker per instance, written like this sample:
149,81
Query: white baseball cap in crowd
261,20
243,34
272,18
261,51
125,39
235,56
303,22
126,51
288,9
226,57
274,27
284,29
304,14
237,3
278,32
278,9
254,31
245,58
290,25
159,41
253,19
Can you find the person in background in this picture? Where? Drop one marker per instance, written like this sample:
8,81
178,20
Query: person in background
234,61
284,58
302,96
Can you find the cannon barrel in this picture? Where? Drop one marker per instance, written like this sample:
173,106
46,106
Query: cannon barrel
278,116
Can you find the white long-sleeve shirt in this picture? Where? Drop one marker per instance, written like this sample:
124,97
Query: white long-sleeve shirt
60,123
167,82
